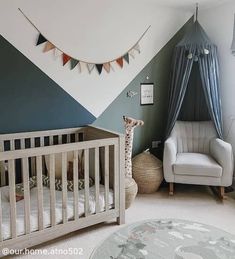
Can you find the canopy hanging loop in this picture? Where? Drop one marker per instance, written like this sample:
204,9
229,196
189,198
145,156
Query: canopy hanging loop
197,8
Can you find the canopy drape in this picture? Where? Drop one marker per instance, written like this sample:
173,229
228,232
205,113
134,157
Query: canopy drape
195,48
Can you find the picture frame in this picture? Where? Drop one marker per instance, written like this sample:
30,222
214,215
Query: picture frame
146,94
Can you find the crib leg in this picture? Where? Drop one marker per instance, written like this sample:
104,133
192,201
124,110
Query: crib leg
121,220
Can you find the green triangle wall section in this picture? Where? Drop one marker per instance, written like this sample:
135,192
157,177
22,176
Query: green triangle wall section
158,71
30,100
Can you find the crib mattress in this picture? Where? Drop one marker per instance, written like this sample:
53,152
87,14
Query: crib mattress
6,230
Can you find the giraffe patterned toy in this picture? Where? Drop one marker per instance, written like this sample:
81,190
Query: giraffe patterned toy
130,125
131,187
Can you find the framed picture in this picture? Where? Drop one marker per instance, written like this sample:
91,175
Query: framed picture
146,94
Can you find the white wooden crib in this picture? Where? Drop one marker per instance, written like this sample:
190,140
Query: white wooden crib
44,213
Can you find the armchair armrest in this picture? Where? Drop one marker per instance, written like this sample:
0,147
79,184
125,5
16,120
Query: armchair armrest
222,152
169,158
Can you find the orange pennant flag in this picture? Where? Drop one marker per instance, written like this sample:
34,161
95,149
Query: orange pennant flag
120,62
66,59
48,46
107,66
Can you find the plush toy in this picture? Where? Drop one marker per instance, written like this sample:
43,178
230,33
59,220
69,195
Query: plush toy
131,188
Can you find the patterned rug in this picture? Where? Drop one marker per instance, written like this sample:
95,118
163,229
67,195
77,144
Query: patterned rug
167,239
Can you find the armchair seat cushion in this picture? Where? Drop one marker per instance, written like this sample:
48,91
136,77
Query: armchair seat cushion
196,164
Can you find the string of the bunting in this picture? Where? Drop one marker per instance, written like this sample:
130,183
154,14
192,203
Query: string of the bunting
75,62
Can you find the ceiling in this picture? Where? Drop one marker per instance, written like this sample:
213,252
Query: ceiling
190,4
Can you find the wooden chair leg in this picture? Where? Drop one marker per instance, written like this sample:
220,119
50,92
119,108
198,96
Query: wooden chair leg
221,192
171,189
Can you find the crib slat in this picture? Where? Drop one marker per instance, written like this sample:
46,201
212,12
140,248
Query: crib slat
60,139
116,197
86,178
25,167
1,238
51,141
68,138
12,145
64,187
22,143
40,192
33,165
32,142
52,189
2,166
76,137
106,176
97,180
11,174
41,141
75,184
3,173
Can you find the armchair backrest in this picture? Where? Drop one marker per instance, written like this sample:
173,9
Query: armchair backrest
193,137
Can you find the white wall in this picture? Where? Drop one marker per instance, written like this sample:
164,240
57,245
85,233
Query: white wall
90,30
218,23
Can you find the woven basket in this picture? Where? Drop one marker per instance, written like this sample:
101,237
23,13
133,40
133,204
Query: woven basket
131,190
147,172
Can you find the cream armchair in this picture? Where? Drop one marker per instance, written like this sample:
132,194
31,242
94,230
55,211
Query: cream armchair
194,155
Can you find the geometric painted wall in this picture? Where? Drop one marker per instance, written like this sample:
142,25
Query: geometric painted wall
30,100
91,31
154,116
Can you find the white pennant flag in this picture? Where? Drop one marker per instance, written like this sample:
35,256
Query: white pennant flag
79,66
83,66
57,53
132,53
90,67
137,47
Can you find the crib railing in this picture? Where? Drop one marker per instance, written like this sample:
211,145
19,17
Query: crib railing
11,142
31,148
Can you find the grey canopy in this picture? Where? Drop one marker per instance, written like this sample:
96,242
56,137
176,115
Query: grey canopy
195,85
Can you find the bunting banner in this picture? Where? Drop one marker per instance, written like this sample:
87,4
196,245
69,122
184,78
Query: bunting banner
76,62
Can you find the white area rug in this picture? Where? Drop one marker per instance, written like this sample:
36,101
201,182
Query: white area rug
167,239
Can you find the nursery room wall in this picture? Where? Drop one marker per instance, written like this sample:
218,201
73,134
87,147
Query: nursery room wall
157,71
38,92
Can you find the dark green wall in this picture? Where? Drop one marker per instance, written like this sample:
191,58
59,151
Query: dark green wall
154,116
30,100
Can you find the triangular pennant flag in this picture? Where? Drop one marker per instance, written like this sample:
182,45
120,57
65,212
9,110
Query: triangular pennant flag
132,53
79,66
66,59
90,67
99,68
137,47
57,53
111,67
82,66
120,62
48,46
126,57
41,39
73,63
107,67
